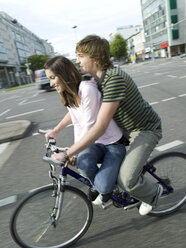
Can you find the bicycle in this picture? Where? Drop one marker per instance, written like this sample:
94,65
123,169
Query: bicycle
46,217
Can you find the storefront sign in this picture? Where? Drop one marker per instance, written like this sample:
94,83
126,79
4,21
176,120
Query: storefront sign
164,45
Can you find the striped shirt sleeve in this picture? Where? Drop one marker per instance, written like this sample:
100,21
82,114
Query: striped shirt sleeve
114,89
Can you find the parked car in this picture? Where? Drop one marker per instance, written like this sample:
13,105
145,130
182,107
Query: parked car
86,76
42,80
115,64
183,55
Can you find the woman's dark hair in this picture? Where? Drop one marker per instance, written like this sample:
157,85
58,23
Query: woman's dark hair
69,77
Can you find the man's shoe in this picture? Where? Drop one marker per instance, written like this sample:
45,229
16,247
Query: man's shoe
146,208
92,194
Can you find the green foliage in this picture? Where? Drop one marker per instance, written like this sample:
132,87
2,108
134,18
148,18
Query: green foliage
37,61
118,47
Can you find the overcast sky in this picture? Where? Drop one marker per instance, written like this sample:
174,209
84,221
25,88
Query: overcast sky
53,19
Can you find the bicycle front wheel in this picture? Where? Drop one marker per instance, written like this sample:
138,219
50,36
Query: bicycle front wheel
31,223
171,168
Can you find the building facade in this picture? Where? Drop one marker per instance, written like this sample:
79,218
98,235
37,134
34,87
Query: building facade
16,44
164,24
136,47
126,31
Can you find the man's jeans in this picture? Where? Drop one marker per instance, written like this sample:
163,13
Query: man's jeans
110,157
130,178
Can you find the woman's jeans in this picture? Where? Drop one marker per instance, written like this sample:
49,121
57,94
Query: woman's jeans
130,178
104,178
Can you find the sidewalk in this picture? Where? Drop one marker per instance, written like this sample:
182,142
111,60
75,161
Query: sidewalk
14,130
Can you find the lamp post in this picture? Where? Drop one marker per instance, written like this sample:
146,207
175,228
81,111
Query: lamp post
75,27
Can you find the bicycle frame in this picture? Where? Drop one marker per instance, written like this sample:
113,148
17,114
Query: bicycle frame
148,169
126,201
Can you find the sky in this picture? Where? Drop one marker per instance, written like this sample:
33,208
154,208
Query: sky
53,20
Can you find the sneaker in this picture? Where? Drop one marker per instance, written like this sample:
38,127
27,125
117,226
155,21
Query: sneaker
101,199
92,194
146,208
98,200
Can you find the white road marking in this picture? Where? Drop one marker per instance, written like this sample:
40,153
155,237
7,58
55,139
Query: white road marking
147,85
171,76
152,103
3,147
6,111
27,113
36,94
182,95
169,145
158,73
25,101
168,99
182,77
9,98
8,200
34,134
21,103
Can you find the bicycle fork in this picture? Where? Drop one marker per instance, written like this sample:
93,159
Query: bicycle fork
58,194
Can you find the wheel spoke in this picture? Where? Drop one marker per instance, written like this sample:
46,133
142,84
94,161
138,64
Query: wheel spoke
31,224
171,168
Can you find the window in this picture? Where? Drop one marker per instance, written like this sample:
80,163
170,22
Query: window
173,4
174,18
175,34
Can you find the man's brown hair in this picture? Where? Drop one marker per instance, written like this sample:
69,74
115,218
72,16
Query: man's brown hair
96,48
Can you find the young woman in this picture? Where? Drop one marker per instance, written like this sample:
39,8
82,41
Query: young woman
83,101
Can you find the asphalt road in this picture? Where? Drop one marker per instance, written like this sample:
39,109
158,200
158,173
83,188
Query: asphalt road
163,84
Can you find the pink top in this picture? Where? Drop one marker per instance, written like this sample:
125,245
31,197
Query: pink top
84,117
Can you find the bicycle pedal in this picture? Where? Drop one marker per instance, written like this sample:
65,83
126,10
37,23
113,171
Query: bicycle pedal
132,206
106,205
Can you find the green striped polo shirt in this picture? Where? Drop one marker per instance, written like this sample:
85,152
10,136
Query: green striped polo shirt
133,112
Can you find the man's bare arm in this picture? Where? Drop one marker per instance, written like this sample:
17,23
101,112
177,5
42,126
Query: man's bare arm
104,117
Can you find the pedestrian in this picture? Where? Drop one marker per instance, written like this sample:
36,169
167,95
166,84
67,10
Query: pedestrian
83,100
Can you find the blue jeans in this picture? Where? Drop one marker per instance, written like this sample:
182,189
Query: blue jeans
110,157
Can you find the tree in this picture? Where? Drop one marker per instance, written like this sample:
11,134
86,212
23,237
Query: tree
37,61
118,47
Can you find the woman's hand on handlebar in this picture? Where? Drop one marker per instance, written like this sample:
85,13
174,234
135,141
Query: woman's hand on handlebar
58,156
51,134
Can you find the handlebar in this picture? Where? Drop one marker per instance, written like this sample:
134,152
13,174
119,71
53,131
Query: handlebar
53,161
52,148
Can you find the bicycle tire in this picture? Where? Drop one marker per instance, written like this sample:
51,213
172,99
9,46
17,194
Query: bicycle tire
170,167
30,224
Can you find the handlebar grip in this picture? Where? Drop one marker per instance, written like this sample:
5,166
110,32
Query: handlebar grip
51,141
53,161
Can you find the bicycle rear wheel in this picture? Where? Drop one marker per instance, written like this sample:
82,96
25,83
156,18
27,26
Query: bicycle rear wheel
31,225
171,168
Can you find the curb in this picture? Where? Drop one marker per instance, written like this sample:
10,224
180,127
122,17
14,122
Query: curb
21,133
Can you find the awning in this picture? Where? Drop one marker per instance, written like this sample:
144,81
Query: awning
164,45
140,52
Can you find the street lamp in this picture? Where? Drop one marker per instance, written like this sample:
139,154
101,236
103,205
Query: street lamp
75,27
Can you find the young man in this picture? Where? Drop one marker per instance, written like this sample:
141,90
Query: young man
122,101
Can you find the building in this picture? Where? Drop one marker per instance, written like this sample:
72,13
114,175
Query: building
16,44
136,46
126,31
164,24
